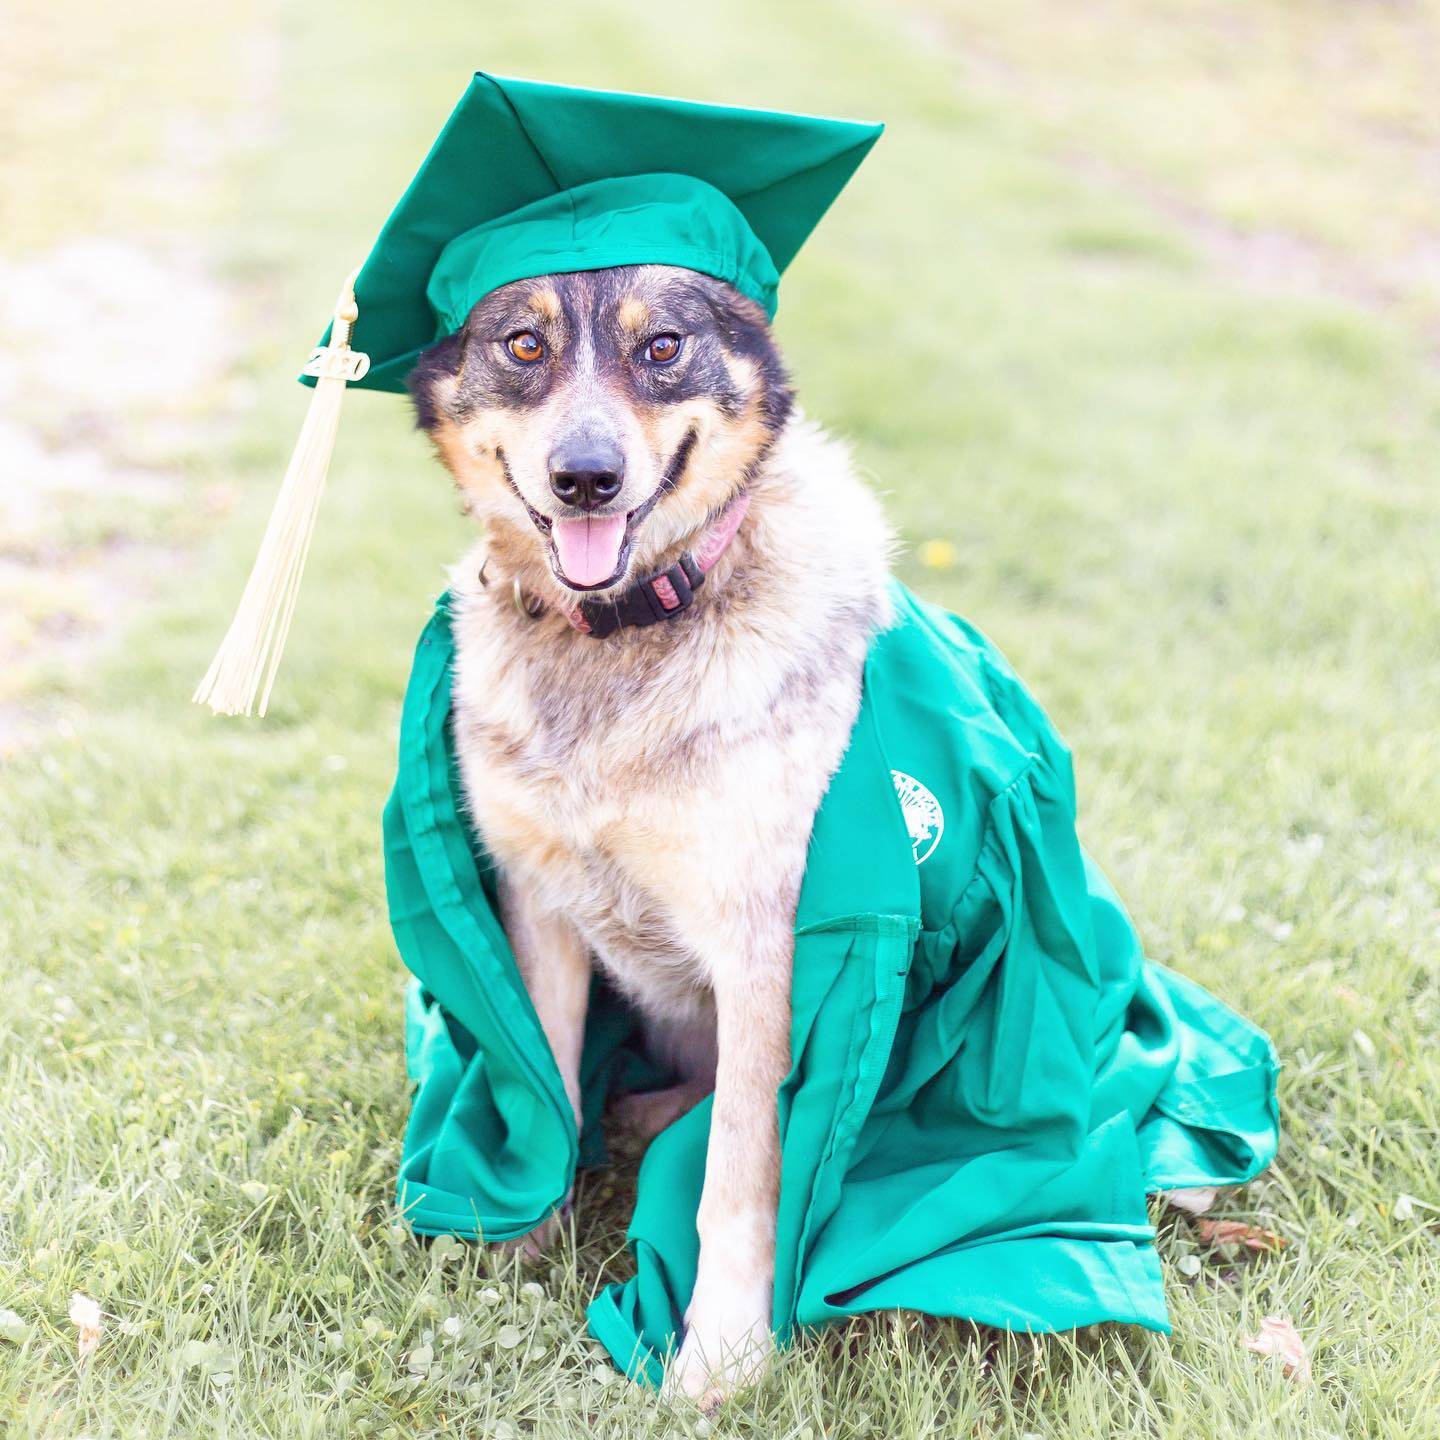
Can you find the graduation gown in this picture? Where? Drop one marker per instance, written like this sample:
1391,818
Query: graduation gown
987,1074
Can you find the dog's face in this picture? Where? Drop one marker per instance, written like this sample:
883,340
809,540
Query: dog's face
593,419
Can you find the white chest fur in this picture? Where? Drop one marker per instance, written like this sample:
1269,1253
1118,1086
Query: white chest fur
658,788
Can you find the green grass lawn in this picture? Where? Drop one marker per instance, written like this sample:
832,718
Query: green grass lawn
1201,518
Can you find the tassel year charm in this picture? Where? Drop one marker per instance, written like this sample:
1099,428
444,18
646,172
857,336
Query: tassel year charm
242,673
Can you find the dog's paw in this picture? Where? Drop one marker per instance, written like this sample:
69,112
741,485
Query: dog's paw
645,1114
709,1369
533,1245
726,1348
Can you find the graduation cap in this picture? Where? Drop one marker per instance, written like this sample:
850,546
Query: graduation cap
534,179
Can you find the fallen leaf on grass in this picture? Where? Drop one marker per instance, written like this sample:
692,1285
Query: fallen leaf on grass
85,1317
1278,1337
1237,1232
12,1327
210,1357
445,1248
1191,1201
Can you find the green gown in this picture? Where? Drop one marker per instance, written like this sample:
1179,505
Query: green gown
987,1075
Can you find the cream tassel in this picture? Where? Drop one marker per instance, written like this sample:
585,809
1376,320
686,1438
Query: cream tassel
248,657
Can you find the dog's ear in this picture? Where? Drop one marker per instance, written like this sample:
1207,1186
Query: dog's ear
433,380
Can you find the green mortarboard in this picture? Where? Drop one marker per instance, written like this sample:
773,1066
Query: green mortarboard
533,179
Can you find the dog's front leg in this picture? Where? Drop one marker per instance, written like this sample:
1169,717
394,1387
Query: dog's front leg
727,1327
555,965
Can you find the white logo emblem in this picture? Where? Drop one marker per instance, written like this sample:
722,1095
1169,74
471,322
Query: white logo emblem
924,818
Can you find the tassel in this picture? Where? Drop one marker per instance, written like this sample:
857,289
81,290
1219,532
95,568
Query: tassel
244,666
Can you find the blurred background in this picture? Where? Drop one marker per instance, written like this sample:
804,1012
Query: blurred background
1133,316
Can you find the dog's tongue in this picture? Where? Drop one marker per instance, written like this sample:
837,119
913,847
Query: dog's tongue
589,548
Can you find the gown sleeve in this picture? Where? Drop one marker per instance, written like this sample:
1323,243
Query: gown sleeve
1001,1173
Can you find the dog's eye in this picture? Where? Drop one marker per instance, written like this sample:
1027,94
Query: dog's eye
526,347
662,349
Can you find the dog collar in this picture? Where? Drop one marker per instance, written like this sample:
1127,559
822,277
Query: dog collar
667,593
661,596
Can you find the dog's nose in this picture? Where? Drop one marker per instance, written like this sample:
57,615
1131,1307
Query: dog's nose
587,476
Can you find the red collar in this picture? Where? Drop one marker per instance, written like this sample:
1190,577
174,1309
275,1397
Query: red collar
667,593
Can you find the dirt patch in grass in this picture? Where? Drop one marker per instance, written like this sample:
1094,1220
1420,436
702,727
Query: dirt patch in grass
112,381
1272,261
1295,147
117,337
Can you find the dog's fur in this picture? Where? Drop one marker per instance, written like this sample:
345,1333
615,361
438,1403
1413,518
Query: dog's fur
649,797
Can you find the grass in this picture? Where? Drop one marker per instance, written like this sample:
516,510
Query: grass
1307,126
1200,519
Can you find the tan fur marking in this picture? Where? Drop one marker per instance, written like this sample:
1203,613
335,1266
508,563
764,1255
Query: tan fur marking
519,834
452,448
634,315
743,374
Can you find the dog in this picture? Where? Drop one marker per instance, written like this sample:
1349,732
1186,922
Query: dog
648,794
